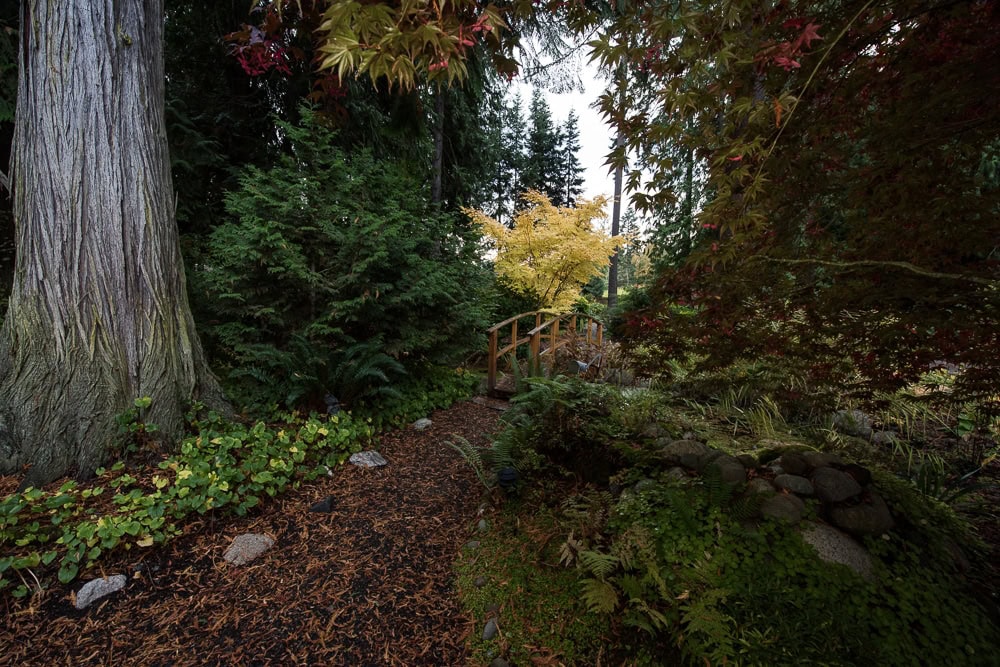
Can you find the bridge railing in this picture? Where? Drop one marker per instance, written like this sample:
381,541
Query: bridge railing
547,331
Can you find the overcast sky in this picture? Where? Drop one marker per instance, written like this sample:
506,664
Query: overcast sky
595,136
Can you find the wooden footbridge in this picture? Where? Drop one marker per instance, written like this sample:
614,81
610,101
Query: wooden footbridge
550,332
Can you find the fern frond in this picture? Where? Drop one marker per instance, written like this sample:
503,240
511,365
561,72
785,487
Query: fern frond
601,565
599,596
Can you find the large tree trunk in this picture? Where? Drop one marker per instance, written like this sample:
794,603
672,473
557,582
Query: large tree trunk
98,312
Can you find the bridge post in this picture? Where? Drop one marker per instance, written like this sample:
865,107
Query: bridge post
491,374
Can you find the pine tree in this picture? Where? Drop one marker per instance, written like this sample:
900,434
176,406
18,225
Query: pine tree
510,169
541,167
570,169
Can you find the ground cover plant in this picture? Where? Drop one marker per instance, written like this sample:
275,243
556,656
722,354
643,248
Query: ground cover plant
679,561
223,467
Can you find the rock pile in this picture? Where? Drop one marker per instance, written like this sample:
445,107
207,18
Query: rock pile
842,493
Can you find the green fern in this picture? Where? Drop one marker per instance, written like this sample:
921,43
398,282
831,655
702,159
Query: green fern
599,596
601,565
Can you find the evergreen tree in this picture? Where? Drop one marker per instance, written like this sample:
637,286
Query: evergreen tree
570,169
541,166
510,130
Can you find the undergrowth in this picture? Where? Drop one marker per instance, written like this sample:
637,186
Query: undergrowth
221,468
672,560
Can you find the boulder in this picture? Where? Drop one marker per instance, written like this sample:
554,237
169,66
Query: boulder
708,457
785,508
793,463
884,438
676,474
245,548
821,459
685,452
643,484
834,486
96,589
760,485
731,470
748,461
833,546
853,422
368,459
866,518
795,484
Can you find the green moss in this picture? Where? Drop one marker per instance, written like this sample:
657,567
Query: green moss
540,609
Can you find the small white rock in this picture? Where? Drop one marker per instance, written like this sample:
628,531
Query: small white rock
368,459
98,588
422,424
245,548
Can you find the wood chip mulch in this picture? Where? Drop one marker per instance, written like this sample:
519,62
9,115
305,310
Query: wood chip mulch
370,583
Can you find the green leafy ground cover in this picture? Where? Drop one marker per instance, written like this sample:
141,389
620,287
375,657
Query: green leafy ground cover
679,564
222,467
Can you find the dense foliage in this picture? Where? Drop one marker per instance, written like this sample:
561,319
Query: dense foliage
336,276
847,216
551,251
671,559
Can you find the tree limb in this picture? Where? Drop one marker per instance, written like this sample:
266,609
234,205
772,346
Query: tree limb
871,263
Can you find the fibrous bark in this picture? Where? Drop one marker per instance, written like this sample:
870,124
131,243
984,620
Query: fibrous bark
98,312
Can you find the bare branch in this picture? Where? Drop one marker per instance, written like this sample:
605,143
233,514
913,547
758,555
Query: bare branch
871,263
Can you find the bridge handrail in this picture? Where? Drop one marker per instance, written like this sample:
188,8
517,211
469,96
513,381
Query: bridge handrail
534,336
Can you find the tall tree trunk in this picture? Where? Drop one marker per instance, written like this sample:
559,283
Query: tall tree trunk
616,216
98,311
438,166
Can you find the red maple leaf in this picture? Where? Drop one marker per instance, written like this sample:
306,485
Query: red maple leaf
808,36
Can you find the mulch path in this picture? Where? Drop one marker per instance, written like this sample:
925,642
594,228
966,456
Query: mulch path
370,583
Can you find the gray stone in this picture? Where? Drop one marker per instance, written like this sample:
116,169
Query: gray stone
884,438
760,485
324,506
834,486
794,463
708,457
690,435
422,424
685,452
821,459
677,474
472,544
731,470
245,548
499,662
652,431
96,589
747,460
368,459
783,507
482,526
795,484
643,484
867,518
491,630
479,582
833,546
853,422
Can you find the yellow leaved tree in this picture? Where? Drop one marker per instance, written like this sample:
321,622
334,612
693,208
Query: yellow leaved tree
552,251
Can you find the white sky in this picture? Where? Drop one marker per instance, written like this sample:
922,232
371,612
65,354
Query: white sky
595,135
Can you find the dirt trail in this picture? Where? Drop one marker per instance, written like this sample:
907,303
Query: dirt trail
369,583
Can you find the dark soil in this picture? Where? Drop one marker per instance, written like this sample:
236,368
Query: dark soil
370,583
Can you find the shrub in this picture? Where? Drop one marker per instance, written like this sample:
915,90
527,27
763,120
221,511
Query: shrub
334,259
